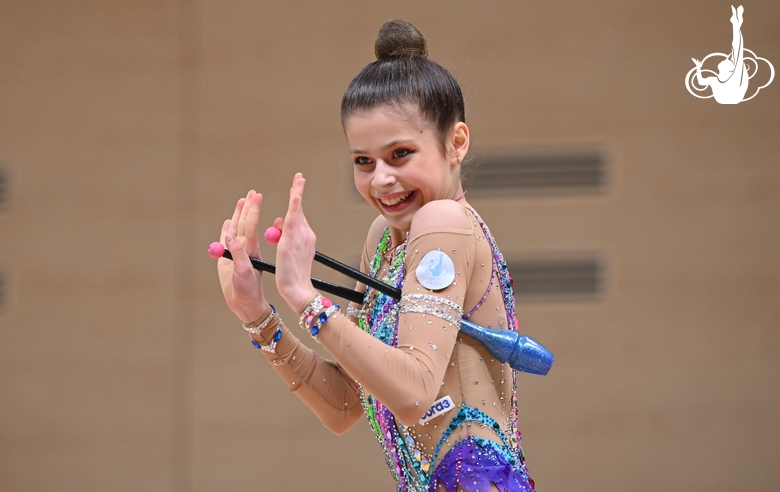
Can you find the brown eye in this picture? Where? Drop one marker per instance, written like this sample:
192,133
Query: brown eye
399,153
361,160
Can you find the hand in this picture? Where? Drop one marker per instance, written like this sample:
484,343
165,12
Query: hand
696,62
295,251
241,283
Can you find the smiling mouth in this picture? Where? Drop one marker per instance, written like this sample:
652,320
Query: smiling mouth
396,199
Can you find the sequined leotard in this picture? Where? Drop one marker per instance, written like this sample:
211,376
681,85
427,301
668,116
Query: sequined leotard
442,408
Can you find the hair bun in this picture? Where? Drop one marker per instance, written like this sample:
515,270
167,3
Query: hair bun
398,37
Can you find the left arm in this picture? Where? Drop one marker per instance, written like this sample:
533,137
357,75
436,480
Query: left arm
405,378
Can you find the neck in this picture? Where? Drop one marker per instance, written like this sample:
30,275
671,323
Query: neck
399,235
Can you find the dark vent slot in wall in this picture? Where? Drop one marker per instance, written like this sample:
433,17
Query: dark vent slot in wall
557,279
534,173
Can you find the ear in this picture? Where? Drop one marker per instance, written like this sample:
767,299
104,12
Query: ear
459,141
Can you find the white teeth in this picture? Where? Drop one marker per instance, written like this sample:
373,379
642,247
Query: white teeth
396,200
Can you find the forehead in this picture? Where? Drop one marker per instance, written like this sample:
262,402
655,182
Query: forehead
386,123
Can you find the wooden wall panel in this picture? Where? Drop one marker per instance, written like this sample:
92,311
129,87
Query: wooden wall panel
89,139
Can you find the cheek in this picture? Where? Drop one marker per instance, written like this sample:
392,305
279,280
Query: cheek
362,183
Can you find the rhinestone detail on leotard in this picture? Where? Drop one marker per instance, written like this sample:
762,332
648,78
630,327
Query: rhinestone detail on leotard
470,463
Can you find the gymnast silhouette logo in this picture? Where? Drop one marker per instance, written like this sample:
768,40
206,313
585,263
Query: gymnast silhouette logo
436,270
730,84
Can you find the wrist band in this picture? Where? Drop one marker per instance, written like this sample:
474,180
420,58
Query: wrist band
316,314
271,347
257,330
262,321
353,312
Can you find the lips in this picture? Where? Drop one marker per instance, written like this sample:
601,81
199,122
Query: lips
396,199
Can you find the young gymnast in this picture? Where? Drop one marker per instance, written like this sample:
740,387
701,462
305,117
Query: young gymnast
441,406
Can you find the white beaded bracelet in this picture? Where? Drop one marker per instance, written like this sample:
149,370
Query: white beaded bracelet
353,312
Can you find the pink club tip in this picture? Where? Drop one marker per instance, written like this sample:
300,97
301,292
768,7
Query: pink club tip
216,250
272,235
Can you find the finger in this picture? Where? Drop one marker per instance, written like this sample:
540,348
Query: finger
236,214
253,218
279,223
225,229
295,207
244,212
299,183
241,264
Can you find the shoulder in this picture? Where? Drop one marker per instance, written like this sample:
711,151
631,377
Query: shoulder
439,214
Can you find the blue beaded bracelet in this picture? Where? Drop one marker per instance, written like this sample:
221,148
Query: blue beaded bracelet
257,330
316,314
322,318
271,347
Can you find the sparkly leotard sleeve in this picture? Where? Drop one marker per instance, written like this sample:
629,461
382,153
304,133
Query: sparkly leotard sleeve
442,408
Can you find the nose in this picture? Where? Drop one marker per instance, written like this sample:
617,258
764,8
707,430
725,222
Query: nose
384,175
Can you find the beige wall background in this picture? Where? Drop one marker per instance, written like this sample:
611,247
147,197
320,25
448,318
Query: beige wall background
129,129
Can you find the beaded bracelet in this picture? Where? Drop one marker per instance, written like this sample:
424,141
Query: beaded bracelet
271,347
316,314
353,312
257,330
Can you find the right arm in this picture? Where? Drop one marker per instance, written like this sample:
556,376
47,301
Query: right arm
321,384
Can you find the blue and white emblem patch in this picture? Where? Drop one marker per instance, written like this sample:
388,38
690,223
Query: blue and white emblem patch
436,270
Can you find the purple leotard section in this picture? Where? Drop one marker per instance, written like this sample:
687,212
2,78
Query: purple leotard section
474,466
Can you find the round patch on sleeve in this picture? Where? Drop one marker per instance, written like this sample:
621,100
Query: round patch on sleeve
436,270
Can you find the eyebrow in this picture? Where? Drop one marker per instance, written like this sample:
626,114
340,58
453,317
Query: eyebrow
386,146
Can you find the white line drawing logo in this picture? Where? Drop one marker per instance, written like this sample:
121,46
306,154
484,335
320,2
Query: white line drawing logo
730,84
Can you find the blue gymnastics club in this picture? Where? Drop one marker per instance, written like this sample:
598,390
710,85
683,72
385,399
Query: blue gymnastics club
521,352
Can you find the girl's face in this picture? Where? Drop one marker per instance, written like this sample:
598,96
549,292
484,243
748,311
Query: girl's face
399,163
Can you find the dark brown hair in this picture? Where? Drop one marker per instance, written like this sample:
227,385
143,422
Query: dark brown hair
403,74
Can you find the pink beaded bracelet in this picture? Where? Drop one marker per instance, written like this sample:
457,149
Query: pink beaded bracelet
316,314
